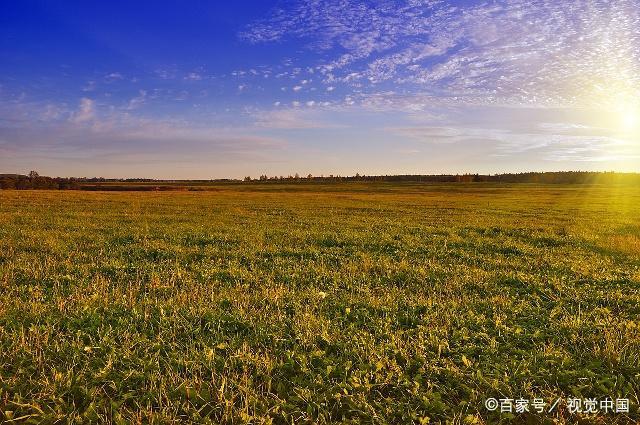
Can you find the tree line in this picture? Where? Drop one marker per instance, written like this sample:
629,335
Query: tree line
35,181
559,177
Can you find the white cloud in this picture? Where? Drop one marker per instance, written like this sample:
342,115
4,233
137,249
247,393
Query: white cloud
193,76
114,76
293,118
429,134
53,112
514,133
90,86
125,138
515,52
138,101
165,73
86,111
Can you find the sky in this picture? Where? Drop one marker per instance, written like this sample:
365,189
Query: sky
212,89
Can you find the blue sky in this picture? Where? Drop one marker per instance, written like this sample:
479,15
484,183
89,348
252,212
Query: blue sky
171,89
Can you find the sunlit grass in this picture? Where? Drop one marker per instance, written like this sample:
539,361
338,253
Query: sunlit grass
322,303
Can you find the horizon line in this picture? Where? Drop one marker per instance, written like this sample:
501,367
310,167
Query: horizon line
309,176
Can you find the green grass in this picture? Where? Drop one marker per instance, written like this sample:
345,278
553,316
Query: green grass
354,303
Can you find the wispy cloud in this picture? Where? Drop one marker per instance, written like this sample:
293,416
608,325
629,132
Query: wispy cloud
193,76
86,111
93,131
453,82
534,138
137,101
114,76
90,86
291,118
495,52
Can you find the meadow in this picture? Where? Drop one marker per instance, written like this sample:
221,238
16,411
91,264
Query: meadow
318,303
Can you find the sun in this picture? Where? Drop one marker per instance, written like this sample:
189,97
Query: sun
623,115
629,118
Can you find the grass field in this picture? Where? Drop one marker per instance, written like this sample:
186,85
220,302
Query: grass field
355,303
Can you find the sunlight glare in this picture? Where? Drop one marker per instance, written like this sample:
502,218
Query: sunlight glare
629,118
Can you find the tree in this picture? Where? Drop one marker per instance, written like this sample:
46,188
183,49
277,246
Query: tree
7,183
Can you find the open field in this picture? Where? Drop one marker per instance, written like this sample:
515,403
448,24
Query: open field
357,303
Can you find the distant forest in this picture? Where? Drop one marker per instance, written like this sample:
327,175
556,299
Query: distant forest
35,181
